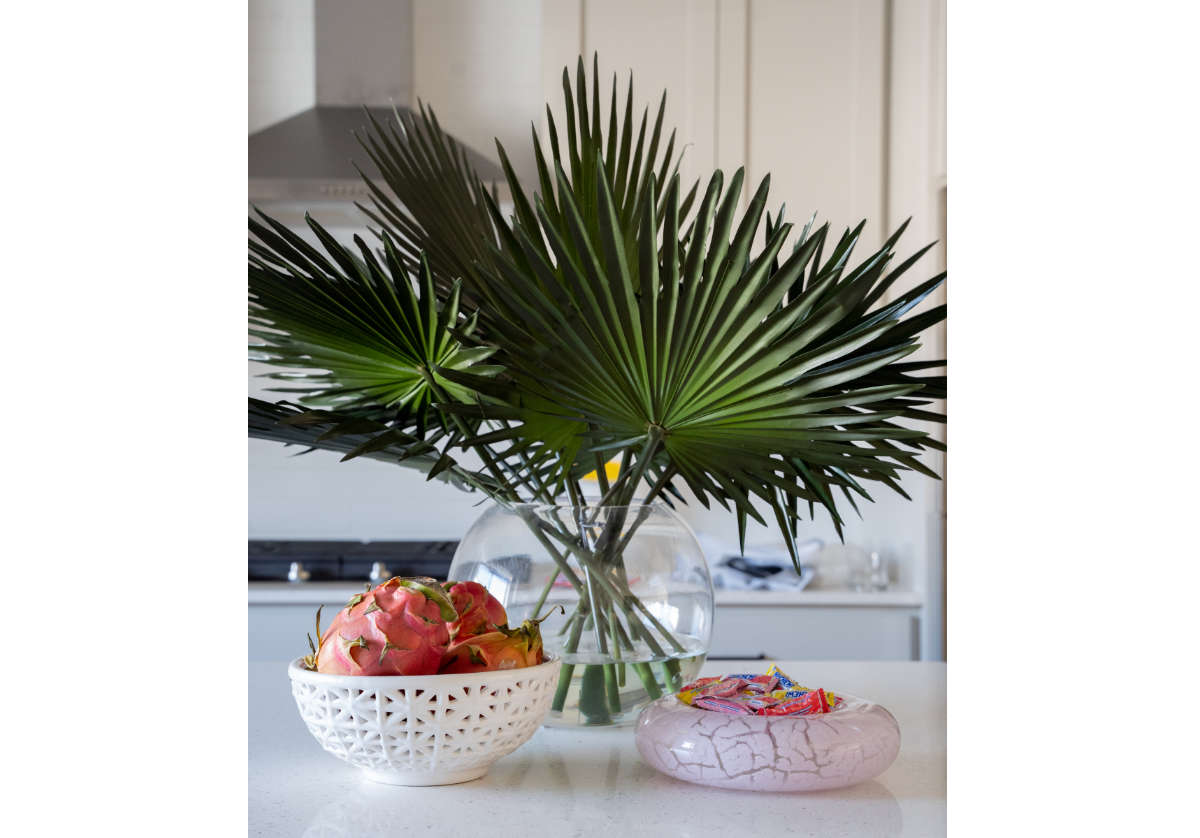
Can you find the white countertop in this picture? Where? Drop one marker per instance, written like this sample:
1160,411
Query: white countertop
565,783
316,593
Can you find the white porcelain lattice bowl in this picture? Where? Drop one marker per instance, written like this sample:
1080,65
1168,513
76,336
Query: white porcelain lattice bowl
424,730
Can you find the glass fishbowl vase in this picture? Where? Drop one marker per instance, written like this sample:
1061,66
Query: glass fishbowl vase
624,591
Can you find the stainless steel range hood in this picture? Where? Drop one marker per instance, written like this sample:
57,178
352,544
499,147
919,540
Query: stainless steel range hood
308,157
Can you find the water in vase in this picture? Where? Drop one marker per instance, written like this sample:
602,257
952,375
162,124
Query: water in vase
595,690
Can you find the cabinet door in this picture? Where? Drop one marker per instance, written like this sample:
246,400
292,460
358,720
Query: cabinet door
669,45
816,633
797,88
816,109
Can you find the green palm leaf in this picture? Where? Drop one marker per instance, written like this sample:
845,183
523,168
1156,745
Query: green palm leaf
744,374
431,202
619,318
350,328
434,203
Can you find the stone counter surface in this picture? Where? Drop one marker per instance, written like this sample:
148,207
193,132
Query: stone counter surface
593,782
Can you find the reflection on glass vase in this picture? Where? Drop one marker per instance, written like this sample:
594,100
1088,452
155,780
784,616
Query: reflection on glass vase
635,594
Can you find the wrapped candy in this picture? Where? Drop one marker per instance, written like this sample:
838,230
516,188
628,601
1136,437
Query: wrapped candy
811,703
722,705
760,703
724,688
772,694
762,684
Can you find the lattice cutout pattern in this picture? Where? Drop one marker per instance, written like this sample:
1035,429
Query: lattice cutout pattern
469,723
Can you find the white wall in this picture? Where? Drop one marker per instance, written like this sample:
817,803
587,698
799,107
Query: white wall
282,60
315,496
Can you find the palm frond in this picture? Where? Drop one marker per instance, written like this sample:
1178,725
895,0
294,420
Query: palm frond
431,201
349,329
606,316
752,376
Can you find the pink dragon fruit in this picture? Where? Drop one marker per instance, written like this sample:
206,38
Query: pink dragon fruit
478,611
503,648
397,628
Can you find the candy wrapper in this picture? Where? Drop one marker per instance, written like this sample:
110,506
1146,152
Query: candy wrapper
772,694
722,705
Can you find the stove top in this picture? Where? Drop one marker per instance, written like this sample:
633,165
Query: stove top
331,561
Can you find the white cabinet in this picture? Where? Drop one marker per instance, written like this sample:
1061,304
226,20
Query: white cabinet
817,625
816,633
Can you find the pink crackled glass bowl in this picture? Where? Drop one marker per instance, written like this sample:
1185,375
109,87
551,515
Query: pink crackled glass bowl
849,745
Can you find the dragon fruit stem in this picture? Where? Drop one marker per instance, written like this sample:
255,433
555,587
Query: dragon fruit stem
540,620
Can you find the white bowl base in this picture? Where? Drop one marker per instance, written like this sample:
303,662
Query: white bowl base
424,778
